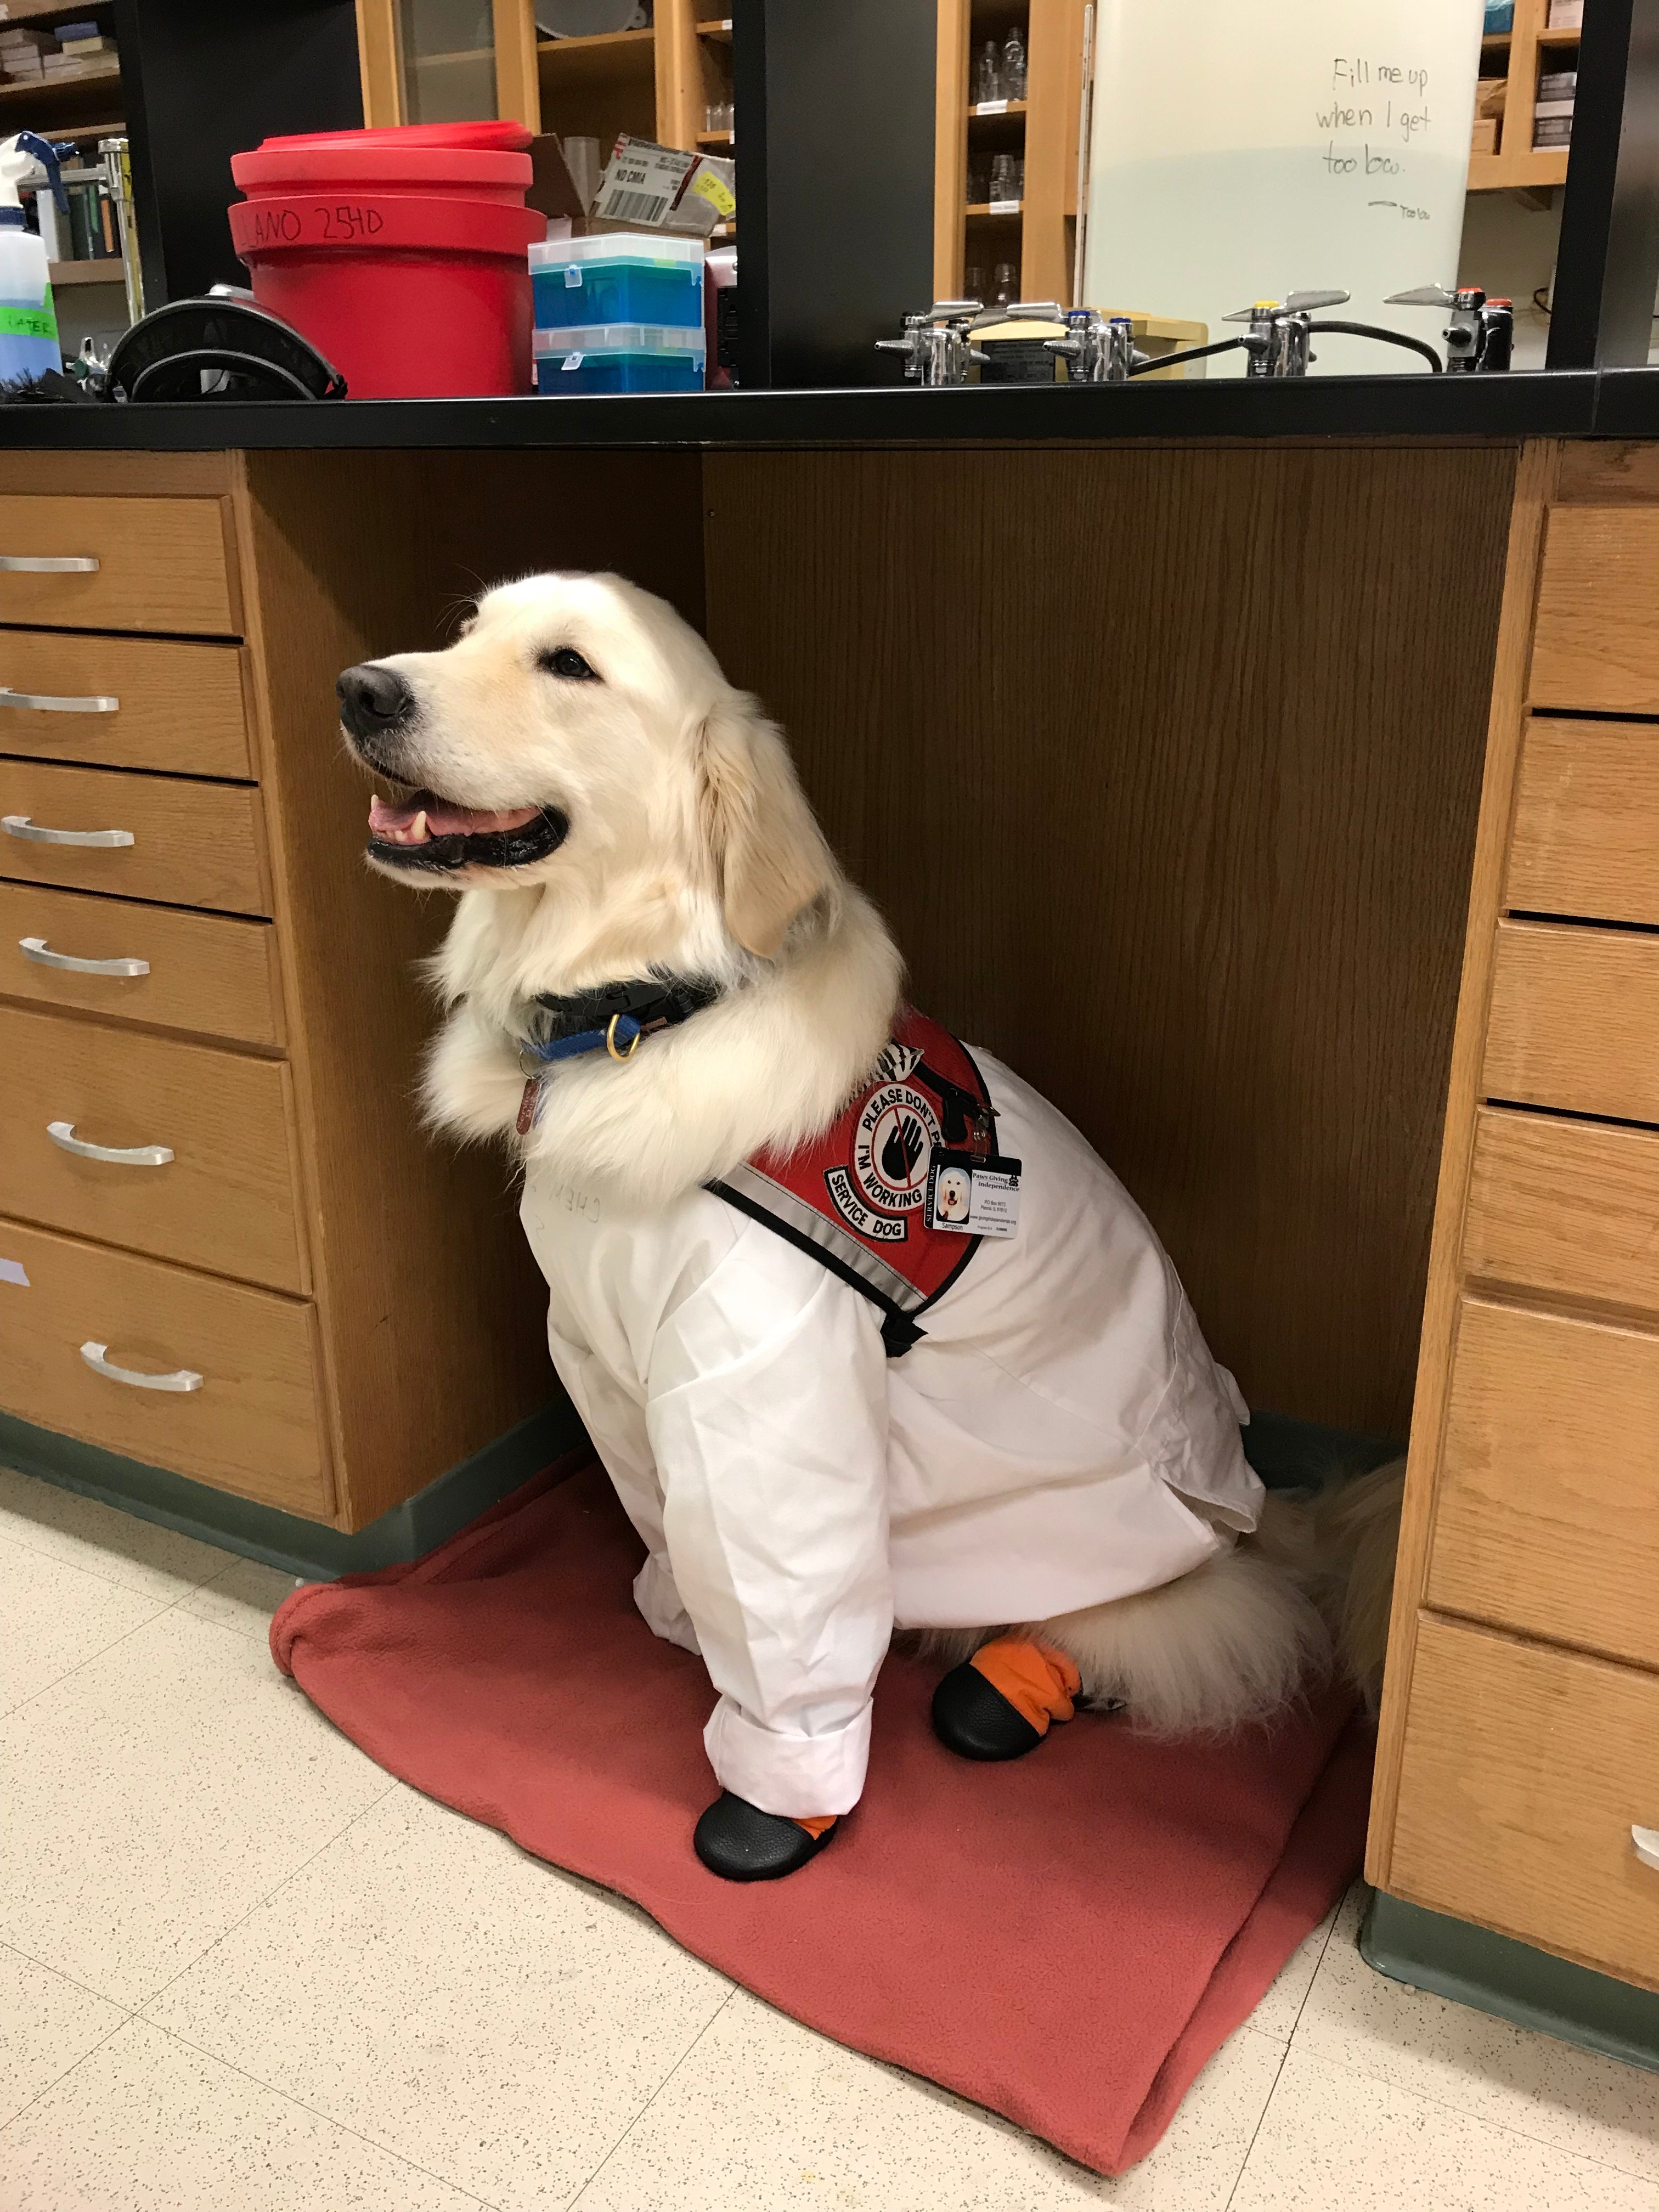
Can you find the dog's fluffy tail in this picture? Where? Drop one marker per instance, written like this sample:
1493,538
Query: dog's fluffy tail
1356,1533
1228,1643
1239,1637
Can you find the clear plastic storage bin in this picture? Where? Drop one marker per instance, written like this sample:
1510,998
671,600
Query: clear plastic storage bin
627,277
620,357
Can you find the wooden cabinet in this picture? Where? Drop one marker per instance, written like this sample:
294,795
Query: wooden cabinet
1523,1769
170,838
1520,1730
225,983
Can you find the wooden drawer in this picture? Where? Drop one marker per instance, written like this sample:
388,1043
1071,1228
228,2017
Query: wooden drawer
1596,641
225,1200
1546,1513
254,1426
1586,834
207,972
1575,1020
193,844
162,564
176,708
1567,1207
1522,1774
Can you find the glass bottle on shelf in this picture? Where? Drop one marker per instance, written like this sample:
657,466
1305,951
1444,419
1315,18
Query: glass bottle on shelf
972,283
979,184
1013,66
987,80
1005,285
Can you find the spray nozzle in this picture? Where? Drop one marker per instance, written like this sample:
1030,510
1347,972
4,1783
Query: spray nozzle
27,159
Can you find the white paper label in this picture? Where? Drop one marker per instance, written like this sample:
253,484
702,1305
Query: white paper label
992,107
661,187
11,1271
1005,207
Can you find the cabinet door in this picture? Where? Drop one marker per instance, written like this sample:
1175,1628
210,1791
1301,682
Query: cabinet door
430,61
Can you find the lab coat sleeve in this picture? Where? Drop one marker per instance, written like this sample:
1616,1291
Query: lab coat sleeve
767,1408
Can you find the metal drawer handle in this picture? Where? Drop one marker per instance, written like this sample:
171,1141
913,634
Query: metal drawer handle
20,825
97,1358
45,702
48,564
36,948
121,1156
1646,1841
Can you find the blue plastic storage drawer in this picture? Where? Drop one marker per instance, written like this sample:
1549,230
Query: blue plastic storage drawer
580,281
619,357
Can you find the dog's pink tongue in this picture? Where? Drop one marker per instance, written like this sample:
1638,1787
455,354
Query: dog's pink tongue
446,821
443,820
383,816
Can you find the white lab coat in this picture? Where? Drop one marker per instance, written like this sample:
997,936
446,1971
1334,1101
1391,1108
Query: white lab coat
1061,1436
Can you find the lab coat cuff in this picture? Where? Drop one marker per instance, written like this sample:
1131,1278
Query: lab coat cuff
659,1606
800,1776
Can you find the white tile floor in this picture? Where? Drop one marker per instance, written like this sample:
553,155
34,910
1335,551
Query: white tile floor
240,1970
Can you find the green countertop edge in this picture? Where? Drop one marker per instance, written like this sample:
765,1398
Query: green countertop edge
1497,1974
306,1548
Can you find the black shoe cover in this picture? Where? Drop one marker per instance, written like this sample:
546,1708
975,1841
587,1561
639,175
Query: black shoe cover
973,1718
736,1840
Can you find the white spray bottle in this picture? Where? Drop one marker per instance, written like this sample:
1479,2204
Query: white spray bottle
28,320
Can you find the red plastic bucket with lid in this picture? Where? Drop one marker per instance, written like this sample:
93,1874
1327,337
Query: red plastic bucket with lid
402,254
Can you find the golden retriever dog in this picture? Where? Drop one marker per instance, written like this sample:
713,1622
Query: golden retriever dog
828,1413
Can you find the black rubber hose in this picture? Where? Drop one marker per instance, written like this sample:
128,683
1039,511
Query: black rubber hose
1175,360
1388,338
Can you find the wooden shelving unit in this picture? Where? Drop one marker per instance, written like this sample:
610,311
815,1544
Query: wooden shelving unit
655,83
1042,128
86,272
1523,54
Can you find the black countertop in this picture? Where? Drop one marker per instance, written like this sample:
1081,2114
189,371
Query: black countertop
1622,403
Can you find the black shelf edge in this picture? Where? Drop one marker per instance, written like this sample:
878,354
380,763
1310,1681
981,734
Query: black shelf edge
1526,404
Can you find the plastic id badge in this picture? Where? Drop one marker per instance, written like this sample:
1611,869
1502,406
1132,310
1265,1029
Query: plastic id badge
974,1197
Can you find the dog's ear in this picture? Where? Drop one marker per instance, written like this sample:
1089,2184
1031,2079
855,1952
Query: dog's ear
767,852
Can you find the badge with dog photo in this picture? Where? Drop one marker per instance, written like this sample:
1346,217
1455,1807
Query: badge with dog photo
974,1197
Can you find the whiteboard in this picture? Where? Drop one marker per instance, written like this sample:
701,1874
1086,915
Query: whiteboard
1241,154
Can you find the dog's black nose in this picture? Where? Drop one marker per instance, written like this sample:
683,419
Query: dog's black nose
374,700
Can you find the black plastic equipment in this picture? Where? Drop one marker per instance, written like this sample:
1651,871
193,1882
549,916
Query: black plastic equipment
223,347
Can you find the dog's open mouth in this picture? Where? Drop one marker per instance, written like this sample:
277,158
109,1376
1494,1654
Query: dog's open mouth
421,830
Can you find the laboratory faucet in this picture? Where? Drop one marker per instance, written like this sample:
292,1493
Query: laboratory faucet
935,344
1097,348
1480,334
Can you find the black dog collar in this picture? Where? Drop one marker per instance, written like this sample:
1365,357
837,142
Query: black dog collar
614,1015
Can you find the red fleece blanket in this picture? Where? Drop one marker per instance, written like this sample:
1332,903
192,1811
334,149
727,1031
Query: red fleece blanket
1066,1939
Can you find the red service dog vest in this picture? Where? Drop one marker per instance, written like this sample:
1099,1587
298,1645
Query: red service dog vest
852,1198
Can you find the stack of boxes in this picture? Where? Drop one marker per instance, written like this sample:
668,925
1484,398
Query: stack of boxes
82,51
621,312
1489,95
1552,122
78,50
20,54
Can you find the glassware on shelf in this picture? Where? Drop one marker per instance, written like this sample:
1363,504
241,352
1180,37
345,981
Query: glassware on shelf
717,115
1003,187
988,76
979,184
1018,166
1012,74
973,282
1004,284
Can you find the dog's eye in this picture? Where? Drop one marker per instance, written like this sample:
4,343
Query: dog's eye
565,660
